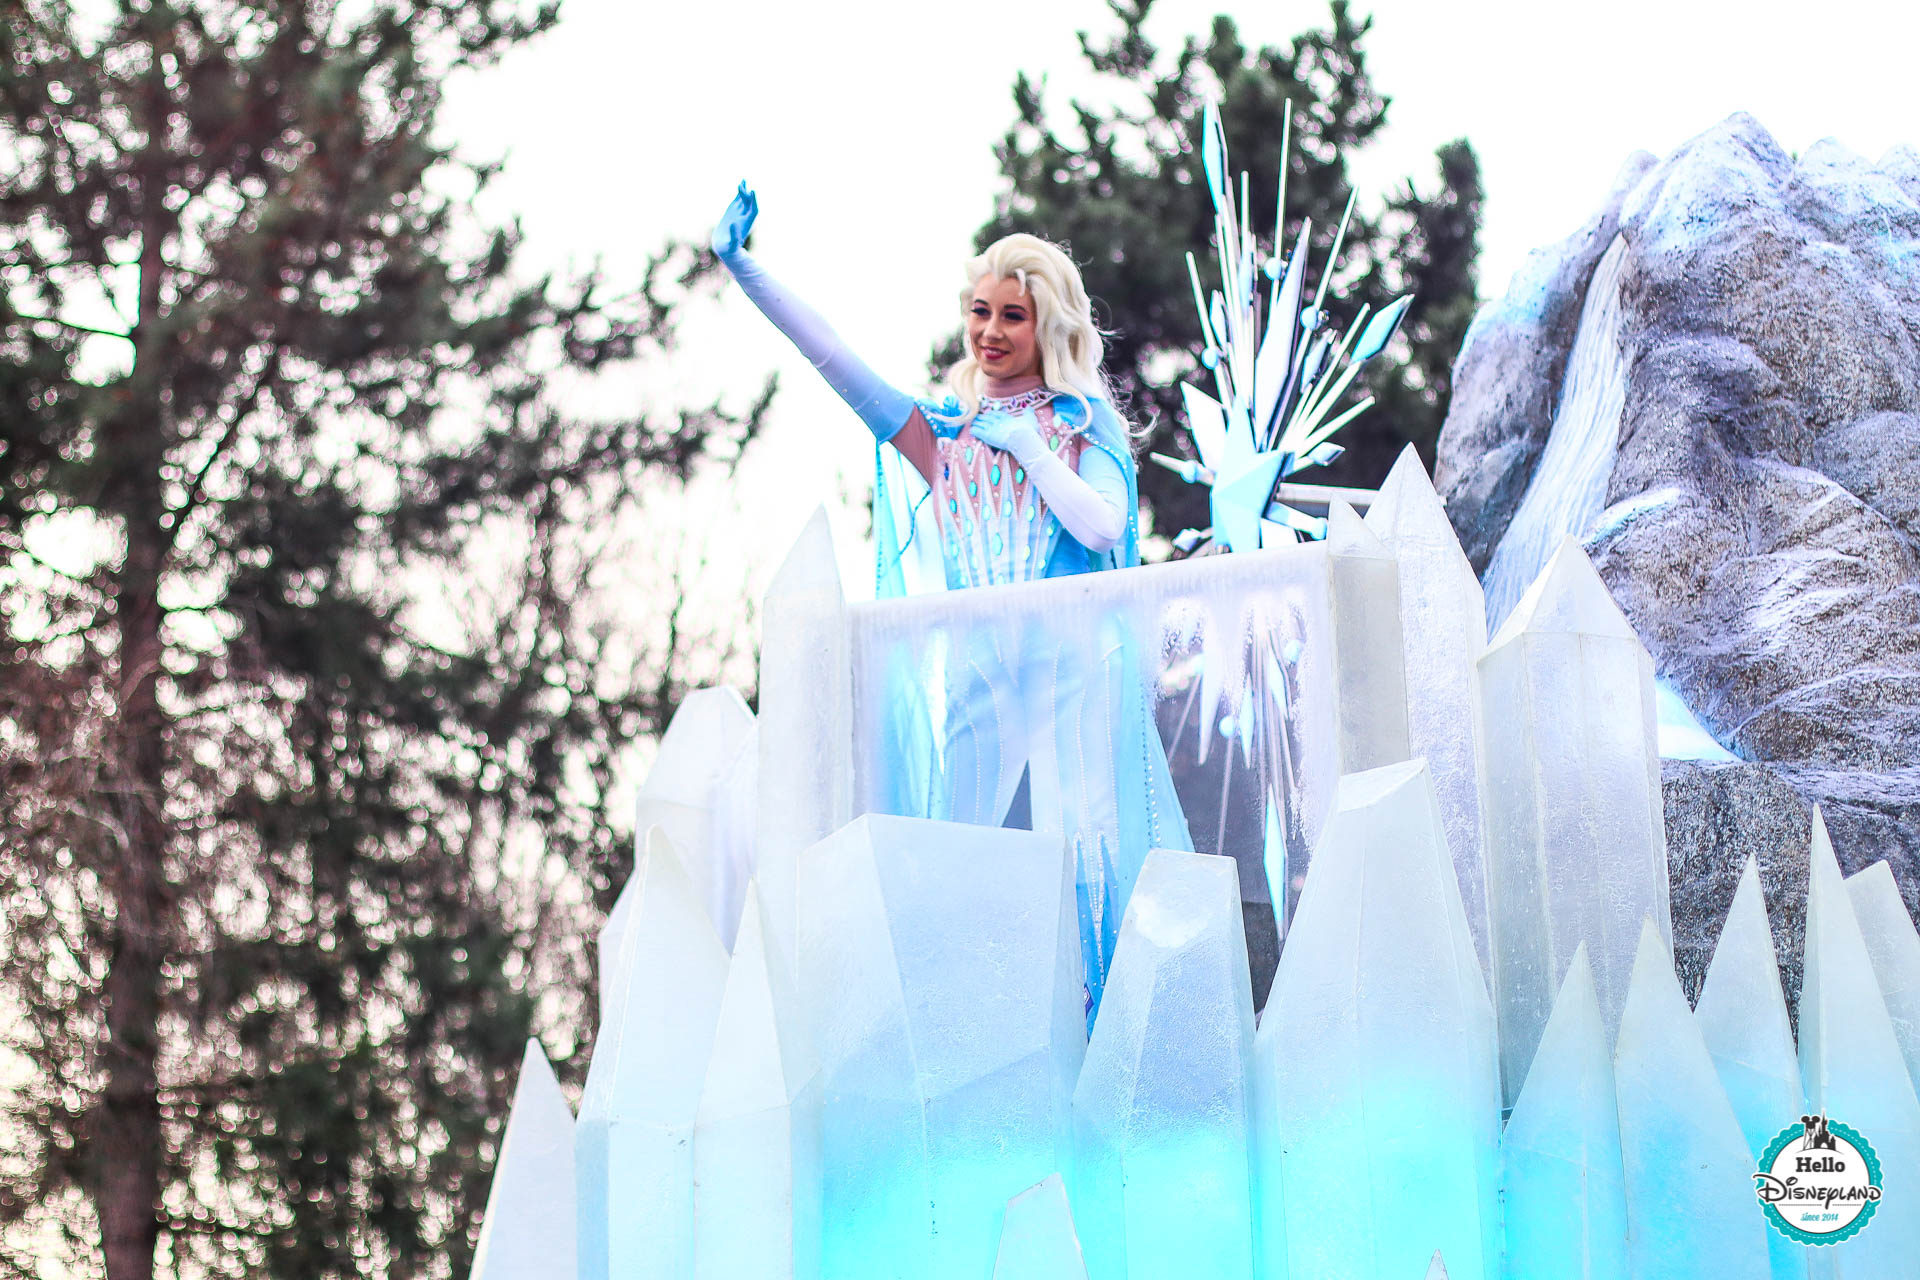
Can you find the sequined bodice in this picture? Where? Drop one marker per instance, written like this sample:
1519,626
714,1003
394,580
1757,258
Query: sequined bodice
994,525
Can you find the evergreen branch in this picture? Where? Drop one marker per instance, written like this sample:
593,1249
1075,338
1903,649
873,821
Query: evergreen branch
242,411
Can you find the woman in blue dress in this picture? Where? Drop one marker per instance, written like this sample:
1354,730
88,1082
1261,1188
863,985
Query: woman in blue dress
1031,475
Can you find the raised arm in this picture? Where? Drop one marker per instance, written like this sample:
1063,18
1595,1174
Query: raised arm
883,408
1091,503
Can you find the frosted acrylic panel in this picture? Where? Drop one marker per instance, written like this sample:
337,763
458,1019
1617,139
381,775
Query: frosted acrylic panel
529,1230
1570,787
1563,1183
1691,1208
940,967
1162,1109
1376,1051
955,695
1443,625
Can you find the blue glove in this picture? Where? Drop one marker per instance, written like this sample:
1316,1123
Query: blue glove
884,409
730,233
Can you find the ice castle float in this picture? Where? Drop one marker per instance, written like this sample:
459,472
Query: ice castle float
842,1039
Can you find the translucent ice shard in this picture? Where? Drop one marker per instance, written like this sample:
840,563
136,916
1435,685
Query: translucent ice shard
1563,1182
1371,664
1378,1083
1443,621
529,1228
1437,1268
1742,1016
756,1141
634,1142
1038,1241
806,719
940,967
1570,790
1895,948
687,793
1852,1066
1691,1209
1161,1111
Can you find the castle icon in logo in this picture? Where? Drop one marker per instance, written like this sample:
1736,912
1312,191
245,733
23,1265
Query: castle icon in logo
1818,1135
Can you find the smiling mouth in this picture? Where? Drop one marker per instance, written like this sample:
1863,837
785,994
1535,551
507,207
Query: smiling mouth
993,353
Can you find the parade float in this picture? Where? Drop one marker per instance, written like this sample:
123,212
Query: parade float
845,1035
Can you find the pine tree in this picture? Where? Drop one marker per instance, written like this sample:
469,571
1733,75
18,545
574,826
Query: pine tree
1121,186
266,773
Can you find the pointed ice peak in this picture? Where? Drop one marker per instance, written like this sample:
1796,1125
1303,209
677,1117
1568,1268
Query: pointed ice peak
529,1227
1577,1007
707,731
1407,500
538,1083
1654,987
659,899
1571,1067
1568,596
1894,945
1850,1054
1742,1016
620,918
1742,1010
1690,1206
812,565
610,934
1410,509
1365,789
762,1053
1846,1027
1348,535
1437,1269
1037,1238
1564,1181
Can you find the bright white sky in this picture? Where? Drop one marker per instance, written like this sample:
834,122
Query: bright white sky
868,127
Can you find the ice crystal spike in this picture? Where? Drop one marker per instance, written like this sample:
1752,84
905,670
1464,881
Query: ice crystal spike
1372,666
1570,794
1038,1240
1742,1015
1437,1268
1241,496
806,719
1380,330
529,1229
1562,1180
688,795
1691,1210
1894,947
756,1142
940,969
1444,630
1851,1064
1387,1105
634,1162
1161,1110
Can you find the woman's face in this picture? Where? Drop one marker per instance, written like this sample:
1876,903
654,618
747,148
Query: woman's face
1000,328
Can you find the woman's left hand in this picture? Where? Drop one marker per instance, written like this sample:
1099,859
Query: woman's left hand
1016,436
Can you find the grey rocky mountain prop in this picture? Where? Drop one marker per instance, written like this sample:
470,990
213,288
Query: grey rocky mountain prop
1761,504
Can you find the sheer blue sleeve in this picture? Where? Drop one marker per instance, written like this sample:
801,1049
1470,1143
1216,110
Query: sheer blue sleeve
883,408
